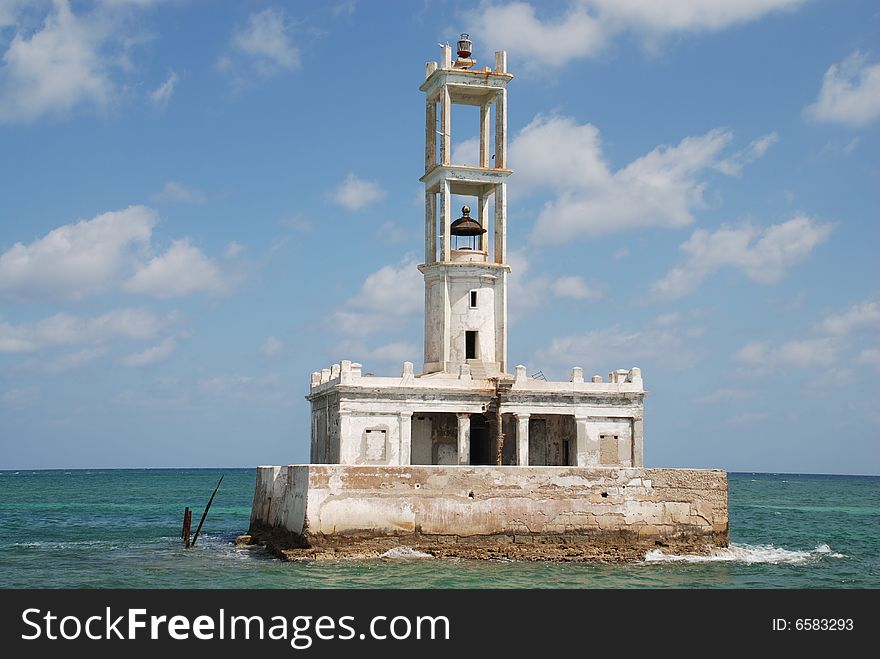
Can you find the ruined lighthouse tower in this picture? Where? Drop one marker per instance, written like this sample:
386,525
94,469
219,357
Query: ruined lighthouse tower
470,452
465,272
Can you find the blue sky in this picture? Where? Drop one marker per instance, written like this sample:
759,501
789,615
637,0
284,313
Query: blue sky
203,202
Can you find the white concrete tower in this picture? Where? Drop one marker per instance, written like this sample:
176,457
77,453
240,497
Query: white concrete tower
465,264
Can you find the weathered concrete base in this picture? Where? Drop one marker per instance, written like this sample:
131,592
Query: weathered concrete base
529,513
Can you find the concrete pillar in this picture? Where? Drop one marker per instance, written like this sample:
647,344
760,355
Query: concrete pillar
522,439
405,452
464,438
638,440
445,221
501,129
430,228
446,126
500,232
587,447
485,115
348,449
430,134
483,218
501,61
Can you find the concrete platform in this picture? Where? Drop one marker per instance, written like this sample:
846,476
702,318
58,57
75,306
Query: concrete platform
564,513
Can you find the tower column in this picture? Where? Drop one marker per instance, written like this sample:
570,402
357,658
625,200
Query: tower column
464,438
500,232
522,439
430,228
501,129
485,115
445,221
445,125
430,134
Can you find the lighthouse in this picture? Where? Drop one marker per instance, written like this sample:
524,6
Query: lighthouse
465,267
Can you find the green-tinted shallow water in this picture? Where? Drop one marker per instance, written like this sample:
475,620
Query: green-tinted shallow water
120,529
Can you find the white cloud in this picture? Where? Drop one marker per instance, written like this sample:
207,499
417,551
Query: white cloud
174,192
672,16
69,361
272,346
599,351
390,295
575,288
863,315
67,330
76,260
528,291
162,94
233,249
355,193
152,355
586,27
850,93
267,42
762,255
733,165
621,253
662,188
551,42
54,70
465,152
182,270
820,351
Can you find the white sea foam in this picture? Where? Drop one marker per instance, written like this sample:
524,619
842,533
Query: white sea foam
737,553
405,552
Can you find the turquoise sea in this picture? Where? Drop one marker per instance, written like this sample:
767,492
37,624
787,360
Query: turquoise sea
121,529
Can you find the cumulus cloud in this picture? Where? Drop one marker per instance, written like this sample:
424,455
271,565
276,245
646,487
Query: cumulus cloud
835,342
160,96
392,294
862,315
68,330
553,41
152,355
821,351
850,93
55,69
182,270
733,165
103,254
174,192
76,260
66,61
585,27
763,255
602,350
265,45
663,188
355,193
575,288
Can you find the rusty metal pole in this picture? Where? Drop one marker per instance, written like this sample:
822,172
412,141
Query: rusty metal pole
205,514
187,524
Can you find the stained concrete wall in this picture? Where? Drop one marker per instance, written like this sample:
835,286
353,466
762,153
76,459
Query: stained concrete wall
320,503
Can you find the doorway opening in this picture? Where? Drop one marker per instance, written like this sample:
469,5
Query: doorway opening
470,344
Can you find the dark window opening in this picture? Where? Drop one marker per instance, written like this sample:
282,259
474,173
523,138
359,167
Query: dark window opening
473,299
470,345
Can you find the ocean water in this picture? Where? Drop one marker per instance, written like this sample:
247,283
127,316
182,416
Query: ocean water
121,529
